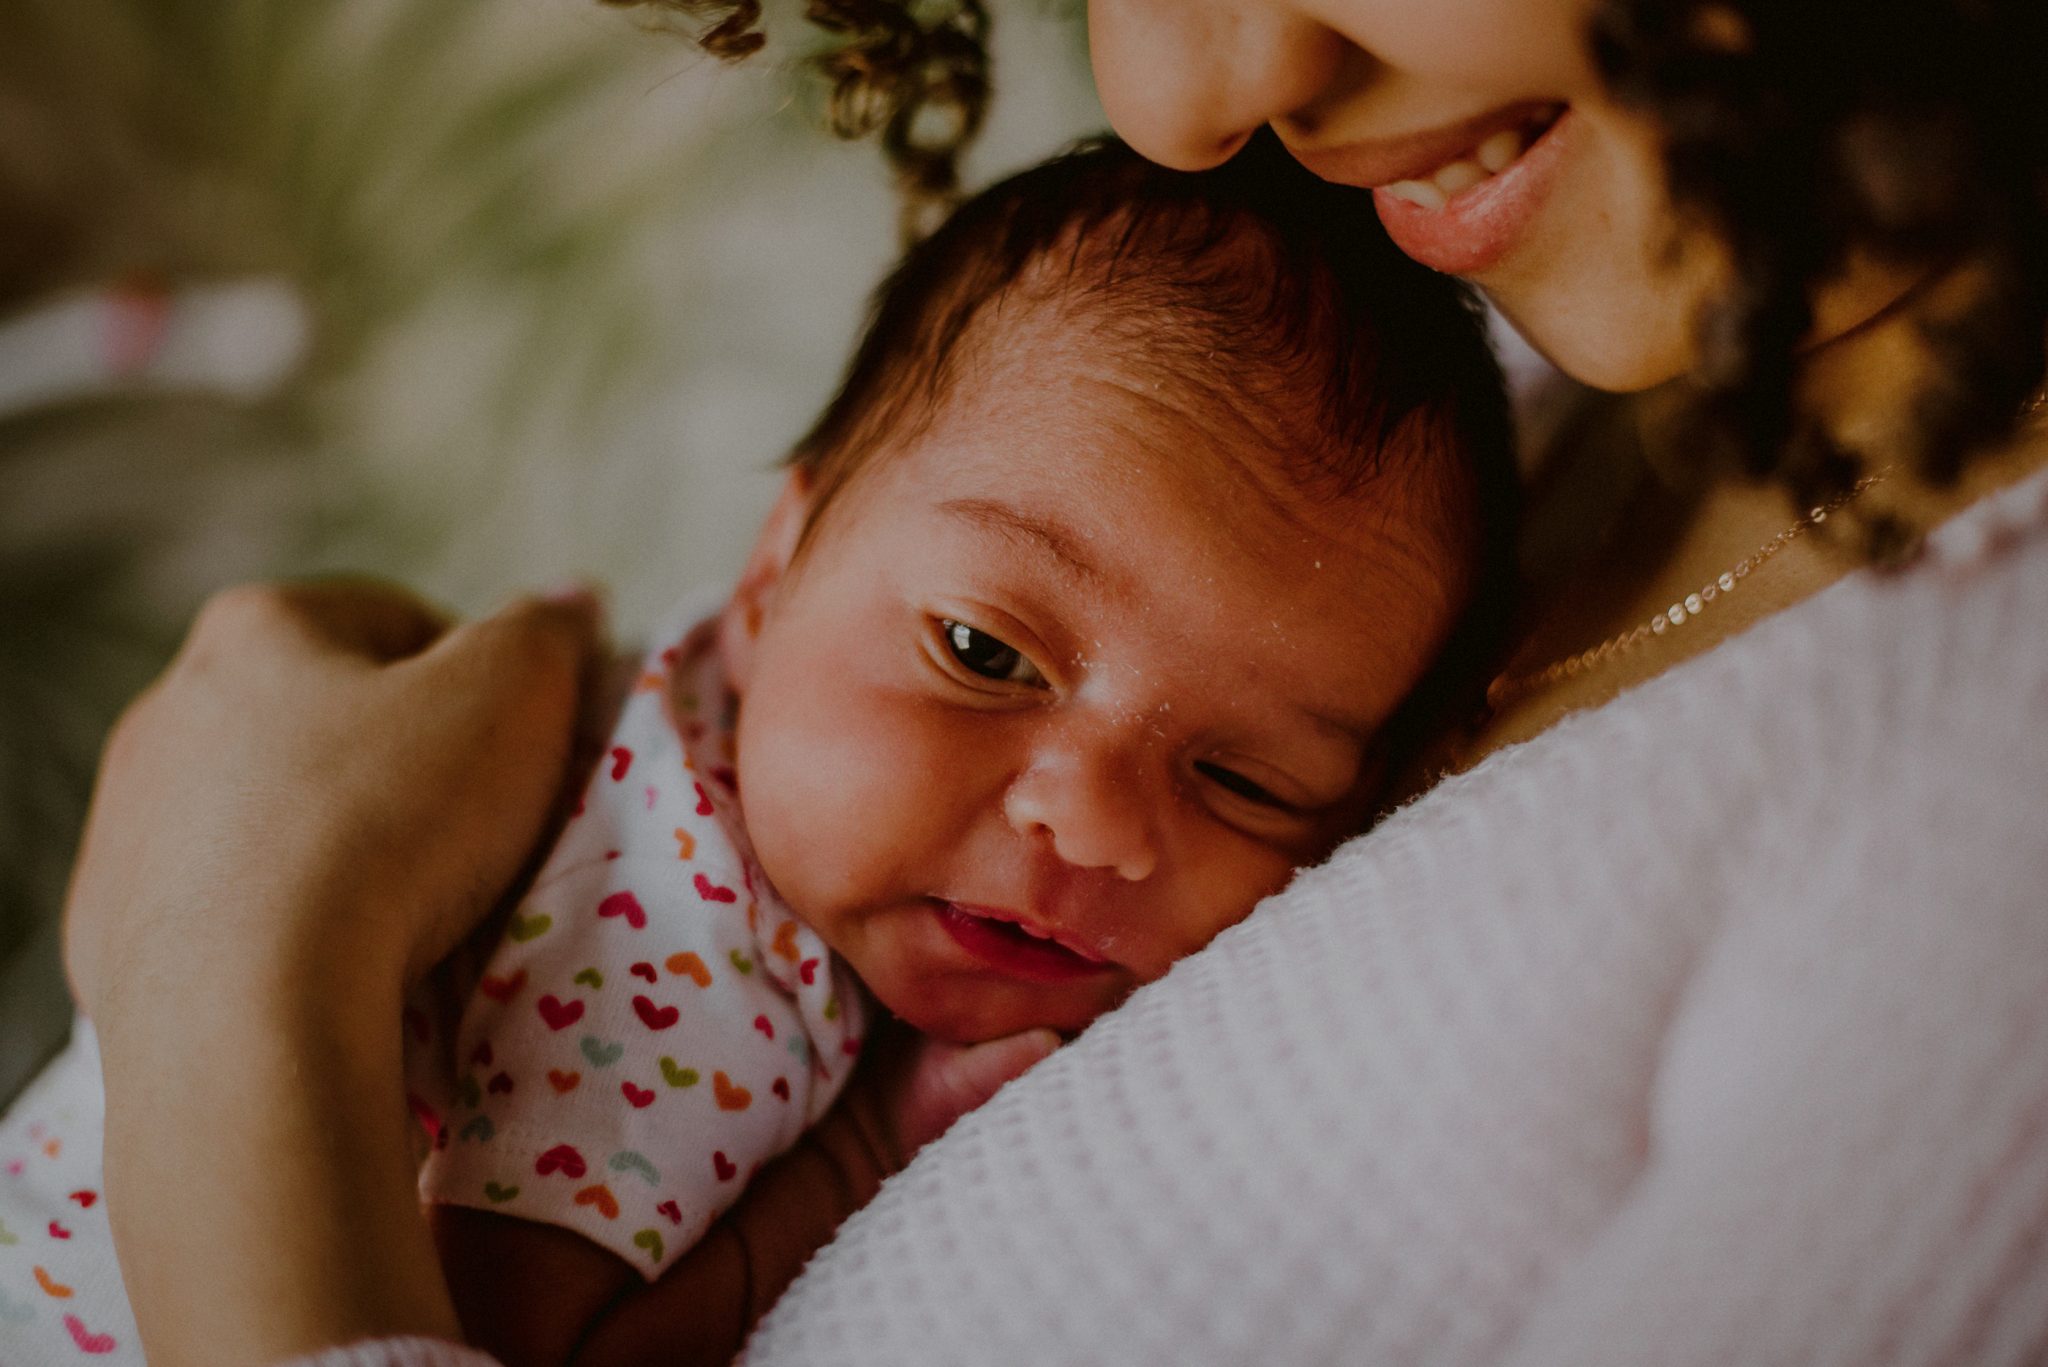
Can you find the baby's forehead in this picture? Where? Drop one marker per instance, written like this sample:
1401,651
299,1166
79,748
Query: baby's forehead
1097,398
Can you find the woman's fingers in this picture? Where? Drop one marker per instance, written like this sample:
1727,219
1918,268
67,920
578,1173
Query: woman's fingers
324,761
549,639
363,618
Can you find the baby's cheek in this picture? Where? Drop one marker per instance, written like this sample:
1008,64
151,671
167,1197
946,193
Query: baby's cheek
836,807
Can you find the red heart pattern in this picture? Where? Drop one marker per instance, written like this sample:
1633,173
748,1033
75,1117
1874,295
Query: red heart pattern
627,905
655,1017
559,1014
562,1158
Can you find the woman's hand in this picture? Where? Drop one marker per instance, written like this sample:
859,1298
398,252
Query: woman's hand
322,794
328,781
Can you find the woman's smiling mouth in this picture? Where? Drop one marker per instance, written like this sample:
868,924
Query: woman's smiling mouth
1006,943
1456,198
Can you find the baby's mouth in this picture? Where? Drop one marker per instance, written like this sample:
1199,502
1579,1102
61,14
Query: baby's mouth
1004,941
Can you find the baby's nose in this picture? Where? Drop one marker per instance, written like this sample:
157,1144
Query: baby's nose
1096,812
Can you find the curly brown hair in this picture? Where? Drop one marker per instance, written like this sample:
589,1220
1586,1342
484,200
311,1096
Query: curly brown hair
1806,131
913,72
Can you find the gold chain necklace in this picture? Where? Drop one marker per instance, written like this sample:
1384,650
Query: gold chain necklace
1509,687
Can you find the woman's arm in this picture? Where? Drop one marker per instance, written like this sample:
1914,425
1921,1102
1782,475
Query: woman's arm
320,796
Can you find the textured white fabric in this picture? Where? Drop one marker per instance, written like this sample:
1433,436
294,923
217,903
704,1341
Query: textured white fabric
1710,1026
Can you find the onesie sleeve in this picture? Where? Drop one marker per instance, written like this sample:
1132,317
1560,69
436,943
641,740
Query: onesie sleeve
650,1029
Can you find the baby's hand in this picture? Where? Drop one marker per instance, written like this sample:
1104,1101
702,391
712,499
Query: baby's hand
941,1082
910,1088
907,1092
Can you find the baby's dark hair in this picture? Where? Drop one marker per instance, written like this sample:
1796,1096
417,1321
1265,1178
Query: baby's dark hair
1253,293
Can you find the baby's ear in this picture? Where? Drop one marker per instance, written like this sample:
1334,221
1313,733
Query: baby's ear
767,565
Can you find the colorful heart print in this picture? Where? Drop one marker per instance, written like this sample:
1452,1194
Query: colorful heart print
479,1129
675,1075
590,978
622,760
562,1082
562,1158
686,844
498,1195
629,1160
524,928
502,990
731,1096
51,1286
600,1053
670,1211
655,1017
723,1166
625,905
87,1341
713,892
649,1239
601,1197
559,1015
781,1088
785,942
646,970
689,966
639,1097
808,971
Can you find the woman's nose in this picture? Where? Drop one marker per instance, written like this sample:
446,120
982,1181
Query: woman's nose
1092,809
1185,82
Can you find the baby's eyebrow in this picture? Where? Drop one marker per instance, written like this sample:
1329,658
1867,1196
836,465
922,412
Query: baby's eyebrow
1018,524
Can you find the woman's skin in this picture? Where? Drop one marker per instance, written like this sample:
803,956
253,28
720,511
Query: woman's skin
229,845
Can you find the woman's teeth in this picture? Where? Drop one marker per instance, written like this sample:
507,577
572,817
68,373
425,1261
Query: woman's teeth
1490,158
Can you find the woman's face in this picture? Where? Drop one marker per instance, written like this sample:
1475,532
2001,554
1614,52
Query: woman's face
1486,135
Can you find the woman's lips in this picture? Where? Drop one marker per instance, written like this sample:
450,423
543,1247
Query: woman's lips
998,939
1459,198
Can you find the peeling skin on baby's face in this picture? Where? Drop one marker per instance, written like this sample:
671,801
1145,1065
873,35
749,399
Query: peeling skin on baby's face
1062,689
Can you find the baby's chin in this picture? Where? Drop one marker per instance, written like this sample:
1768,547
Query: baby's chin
961,1012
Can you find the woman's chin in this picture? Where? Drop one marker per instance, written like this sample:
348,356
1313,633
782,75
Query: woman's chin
1609,341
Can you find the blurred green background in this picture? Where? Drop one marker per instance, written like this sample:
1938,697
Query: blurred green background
474,294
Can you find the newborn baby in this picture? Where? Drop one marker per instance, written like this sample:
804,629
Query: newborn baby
1155,516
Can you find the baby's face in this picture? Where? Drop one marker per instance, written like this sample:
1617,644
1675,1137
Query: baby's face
1060,690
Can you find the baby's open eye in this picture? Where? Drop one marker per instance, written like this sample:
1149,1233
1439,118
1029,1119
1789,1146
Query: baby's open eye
1232,781
982,654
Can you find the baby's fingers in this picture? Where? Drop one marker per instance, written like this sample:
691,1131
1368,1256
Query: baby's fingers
949,1080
